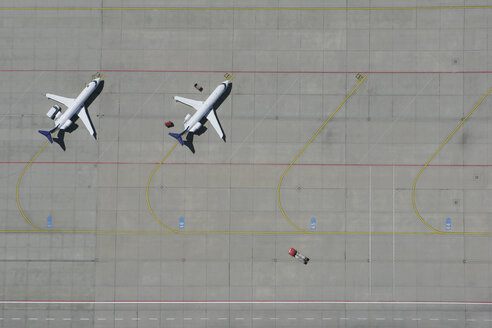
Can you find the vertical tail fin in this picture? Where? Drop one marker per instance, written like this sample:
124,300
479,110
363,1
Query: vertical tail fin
47,134
177,136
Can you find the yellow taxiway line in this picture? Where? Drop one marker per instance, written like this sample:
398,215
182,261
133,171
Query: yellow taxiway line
305,147
428,162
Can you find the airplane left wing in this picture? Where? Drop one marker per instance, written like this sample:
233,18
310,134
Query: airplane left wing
190,102
215,123
62,100
85,118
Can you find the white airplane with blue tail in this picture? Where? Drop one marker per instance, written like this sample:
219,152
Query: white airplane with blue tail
74,107
204,109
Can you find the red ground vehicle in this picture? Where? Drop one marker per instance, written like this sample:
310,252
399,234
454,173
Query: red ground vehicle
293,252
169,124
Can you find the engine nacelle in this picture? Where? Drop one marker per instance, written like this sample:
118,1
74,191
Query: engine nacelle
66,125
58,115
187,117
54,111
196,127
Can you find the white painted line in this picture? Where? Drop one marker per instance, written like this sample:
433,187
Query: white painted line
221,318
101,319
50,319
32,319
239,318
361,318
187,318
84,319
344,318
15,318
452,319
118,319
135,319
483,319
380,318
256,318
308,318
291,318
471,320
489,303
67,319
152,318
398,319
416,319
170,318
326,318
434,319
203,318
273,318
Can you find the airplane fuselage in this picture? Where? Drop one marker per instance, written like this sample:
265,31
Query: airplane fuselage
191,125
64,121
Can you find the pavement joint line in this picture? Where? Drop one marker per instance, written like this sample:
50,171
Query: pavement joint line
428,162
381,8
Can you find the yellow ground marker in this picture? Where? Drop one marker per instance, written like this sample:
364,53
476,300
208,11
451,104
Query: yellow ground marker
428,162
361,80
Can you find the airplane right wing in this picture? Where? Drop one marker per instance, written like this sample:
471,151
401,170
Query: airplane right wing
215,123
190,102
62,100
85,119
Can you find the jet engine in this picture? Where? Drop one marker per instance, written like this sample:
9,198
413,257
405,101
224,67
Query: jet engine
195,127
53,112
66,125
187,117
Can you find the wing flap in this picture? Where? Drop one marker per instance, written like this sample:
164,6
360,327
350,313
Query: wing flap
212,118
190,102
85,119
62,100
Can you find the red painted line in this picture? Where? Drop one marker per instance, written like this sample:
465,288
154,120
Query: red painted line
240,71
256,164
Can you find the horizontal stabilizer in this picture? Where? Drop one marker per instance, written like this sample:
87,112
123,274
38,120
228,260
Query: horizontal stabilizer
47,134
178,137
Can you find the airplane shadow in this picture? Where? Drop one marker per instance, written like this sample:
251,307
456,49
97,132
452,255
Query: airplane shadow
189,137
60,137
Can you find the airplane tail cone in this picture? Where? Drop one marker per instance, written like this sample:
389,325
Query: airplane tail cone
177,136
47,134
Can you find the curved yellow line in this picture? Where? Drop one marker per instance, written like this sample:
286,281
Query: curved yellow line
148,186
428,162
18,185
305,147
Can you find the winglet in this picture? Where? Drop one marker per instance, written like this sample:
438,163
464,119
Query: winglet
177,136
47,134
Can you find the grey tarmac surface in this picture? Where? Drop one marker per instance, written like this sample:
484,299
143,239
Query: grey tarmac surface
293,69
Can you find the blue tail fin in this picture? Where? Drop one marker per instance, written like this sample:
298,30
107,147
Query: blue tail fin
47,134
177,136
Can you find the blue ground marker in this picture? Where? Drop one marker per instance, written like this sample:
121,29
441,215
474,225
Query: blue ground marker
49,222
448,224
313,224
181,222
